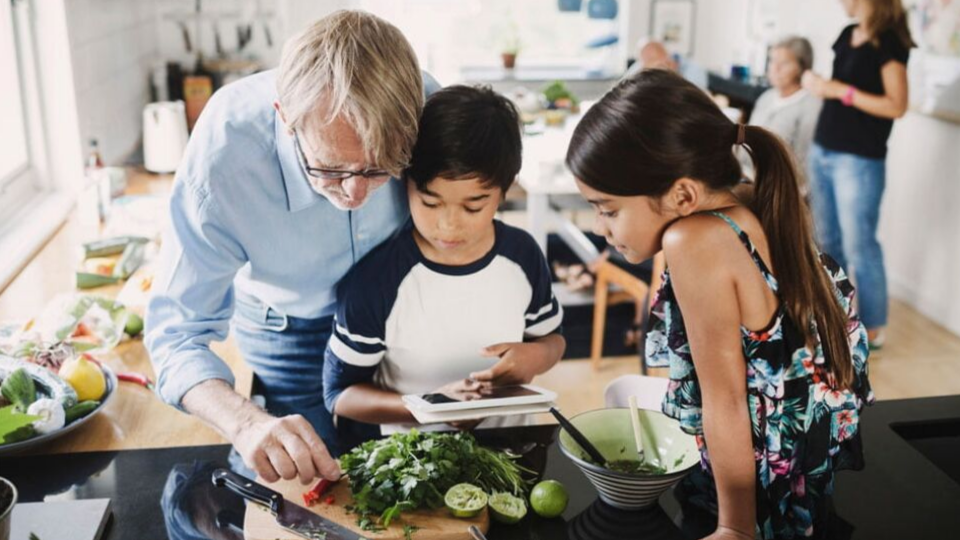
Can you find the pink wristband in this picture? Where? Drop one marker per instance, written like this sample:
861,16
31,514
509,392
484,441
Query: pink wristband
847,98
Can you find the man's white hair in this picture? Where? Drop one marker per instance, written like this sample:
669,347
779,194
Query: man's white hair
355,65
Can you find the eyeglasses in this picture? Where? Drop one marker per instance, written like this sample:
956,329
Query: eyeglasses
335,174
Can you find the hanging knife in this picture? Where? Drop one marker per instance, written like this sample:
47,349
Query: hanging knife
291,517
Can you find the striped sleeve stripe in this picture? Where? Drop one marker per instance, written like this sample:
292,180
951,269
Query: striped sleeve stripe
358,338
358,343
546,312
542,311
352,356
546,326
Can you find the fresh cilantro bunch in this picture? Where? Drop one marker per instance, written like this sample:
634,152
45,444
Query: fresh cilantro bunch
414,470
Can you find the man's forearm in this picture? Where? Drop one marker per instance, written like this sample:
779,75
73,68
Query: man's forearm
221,407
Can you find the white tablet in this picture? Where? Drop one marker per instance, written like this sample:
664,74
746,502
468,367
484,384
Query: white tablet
503,396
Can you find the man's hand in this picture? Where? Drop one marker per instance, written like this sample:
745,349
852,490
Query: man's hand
285,448
274,448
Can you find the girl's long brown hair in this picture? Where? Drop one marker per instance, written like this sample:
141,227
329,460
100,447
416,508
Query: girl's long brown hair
888,15
655,128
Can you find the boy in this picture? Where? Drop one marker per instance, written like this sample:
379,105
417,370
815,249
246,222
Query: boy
455,302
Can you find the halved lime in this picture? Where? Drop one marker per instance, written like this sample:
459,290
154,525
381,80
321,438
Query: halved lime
506,508
465,500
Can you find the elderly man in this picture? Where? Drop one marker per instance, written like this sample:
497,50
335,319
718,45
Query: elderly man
653,54
286,183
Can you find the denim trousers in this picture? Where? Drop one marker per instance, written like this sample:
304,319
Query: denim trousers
286,356
845,194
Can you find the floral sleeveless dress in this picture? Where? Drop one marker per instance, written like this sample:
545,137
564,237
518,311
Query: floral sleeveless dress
803,431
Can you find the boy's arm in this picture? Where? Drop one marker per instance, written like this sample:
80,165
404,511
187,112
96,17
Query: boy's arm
367,403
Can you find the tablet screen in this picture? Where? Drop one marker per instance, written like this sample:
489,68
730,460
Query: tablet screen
500,392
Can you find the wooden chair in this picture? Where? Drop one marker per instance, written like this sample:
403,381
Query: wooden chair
631,287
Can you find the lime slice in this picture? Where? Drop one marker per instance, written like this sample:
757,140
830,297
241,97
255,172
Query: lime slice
549,499
465,500
506,508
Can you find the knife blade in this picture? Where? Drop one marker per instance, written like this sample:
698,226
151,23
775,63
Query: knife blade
291,517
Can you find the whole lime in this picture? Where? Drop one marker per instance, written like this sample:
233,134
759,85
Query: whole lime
134,325
549,499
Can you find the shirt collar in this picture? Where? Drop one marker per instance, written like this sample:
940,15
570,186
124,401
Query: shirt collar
300,193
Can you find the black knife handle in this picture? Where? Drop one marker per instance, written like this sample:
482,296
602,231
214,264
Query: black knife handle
248,489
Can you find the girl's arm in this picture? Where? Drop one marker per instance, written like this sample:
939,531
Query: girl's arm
891,104
700,257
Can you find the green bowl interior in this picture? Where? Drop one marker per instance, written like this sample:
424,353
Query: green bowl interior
610,430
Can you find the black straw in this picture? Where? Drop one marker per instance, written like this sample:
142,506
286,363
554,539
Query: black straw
577,436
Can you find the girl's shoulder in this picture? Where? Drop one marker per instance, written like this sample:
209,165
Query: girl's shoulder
710,236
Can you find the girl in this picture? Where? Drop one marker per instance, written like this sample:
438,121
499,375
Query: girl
767,358
847,162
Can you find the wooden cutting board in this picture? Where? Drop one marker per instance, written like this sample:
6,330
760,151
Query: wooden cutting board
438,524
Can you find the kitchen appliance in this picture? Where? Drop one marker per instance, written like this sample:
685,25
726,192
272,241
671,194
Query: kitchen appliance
164,135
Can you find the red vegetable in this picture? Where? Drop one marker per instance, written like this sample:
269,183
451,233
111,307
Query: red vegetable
316,492
137,378
329,500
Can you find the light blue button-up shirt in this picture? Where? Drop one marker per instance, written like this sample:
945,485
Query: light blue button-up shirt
245,218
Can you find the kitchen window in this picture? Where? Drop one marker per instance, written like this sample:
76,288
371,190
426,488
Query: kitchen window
19,177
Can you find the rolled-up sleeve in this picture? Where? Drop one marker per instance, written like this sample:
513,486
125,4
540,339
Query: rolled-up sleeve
192,297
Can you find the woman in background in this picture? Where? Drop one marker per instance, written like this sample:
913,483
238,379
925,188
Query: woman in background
787,109
848,159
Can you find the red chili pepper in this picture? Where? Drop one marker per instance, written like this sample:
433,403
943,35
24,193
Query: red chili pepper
317,491
329,500
137,378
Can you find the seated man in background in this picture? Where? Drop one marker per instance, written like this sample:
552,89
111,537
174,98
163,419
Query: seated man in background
652,54
456,302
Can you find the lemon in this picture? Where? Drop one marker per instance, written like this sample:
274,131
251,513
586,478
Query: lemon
85,377
549,499
465,500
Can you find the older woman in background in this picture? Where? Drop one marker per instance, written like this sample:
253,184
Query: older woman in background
787,109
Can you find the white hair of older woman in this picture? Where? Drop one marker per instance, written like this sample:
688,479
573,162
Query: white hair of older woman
800,48
355,65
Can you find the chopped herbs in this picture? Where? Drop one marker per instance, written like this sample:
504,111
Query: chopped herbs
414,470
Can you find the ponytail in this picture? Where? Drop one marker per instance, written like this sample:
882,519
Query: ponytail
805,288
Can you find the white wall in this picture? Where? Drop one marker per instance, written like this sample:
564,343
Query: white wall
920,221
113,47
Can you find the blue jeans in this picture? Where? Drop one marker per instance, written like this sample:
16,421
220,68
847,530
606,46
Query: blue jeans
286,355
845,194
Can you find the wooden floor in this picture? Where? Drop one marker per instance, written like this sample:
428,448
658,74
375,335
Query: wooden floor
920,359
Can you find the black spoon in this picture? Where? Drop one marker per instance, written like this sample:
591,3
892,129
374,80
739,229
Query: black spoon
595,454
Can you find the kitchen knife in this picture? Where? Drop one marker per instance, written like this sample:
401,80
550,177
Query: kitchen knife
291,517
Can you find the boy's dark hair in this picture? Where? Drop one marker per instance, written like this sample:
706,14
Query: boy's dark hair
466,132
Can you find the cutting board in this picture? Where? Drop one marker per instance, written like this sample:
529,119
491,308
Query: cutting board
83,519
259,524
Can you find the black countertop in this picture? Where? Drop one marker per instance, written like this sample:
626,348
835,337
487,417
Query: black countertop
910,488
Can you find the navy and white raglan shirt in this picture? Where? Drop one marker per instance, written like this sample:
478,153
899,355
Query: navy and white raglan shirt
411,325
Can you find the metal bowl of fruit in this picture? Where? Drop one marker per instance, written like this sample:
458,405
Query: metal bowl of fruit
39,406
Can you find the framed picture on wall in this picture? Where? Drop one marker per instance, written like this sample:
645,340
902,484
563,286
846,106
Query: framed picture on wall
672,23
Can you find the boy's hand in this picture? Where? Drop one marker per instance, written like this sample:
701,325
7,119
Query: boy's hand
462,390
519,363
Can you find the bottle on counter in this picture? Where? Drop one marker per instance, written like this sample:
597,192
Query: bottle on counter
93,205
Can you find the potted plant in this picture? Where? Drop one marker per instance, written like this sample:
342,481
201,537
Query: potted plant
8,499
510,47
